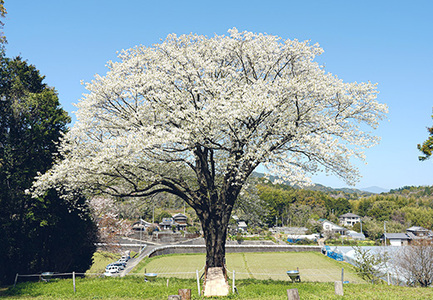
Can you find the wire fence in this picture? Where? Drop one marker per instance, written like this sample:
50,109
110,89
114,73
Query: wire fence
306,275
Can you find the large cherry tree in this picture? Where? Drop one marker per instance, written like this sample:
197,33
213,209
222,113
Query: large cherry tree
194,116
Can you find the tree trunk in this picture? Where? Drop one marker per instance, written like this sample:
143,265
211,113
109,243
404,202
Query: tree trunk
214,225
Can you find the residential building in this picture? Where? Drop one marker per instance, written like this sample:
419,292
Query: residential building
397,239
413,233
328,226
419,232
181,221
349,219
242,226
141,225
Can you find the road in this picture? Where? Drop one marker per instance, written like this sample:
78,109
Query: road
134,261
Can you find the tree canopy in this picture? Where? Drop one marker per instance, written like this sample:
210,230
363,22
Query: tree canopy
194,116
46,233
427,147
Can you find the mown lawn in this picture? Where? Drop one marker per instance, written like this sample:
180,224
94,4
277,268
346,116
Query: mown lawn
250,289
313,266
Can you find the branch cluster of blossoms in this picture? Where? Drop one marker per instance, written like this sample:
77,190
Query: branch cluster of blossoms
110,226
244,99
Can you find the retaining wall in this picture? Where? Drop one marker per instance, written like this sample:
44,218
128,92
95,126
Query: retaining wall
178,249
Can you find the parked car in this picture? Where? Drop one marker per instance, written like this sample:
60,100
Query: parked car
118,264
122,260
112,269
125,257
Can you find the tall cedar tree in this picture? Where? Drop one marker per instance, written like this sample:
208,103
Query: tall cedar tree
43,234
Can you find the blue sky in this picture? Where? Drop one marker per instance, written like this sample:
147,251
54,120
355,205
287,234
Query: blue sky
388,42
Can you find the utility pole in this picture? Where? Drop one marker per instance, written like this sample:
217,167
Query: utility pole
141,233
384,232
153,210
360,223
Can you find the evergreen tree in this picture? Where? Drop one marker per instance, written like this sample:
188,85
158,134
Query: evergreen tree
45,233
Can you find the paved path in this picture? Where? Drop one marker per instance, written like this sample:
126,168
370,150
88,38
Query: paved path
133,262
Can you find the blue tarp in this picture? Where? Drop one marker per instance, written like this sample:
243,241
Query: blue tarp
334,254
294,241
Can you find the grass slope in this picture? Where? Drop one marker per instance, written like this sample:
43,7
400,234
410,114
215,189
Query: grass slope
250,289
100,260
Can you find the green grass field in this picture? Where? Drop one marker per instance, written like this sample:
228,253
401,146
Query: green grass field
258,276
249,289
313,266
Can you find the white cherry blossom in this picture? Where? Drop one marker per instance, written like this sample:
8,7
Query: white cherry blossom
194,116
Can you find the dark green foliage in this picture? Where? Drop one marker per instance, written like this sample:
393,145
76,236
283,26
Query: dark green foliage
401,208
36,234
427,147
294,207
162,215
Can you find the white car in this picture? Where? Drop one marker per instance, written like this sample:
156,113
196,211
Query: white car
122,260
112,269
108,274
121,266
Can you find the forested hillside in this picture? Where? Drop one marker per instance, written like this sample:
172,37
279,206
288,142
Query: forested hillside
401,208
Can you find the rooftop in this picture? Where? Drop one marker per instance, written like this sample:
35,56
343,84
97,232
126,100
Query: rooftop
349,215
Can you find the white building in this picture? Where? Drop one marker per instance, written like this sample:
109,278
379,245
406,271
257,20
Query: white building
331,227
349,219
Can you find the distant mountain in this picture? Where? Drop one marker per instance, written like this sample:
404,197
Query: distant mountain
323,188
375,190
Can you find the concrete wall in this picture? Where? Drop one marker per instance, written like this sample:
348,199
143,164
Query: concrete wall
163,236
171,249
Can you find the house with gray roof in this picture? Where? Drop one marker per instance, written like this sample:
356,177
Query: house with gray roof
328,226
397,239
349,219
419,232
405,238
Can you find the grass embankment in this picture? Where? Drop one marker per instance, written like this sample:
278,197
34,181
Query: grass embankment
250,289
313,266
101,259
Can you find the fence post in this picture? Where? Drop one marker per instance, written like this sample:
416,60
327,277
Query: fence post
387,277
16,279
198,282
233,282
342,274
73,281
